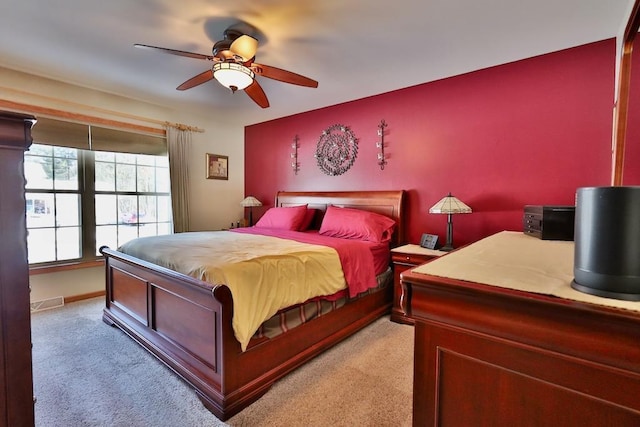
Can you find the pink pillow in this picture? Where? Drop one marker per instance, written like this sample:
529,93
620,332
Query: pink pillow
289,218
350,223
307,222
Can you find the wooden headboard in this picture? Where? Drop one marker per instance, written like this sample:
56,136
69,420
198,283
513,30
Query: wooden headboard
388,203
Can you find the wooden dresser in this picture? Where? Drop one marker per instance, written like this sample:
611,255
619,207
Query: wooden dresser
490,355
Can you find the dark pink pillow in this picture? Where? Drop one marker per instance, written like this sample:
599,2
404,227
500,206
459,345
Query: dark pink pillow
307,222
289,218
350,223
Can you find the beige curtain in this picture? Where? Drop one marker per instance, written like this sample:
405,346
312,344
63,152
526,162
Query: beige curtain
178,142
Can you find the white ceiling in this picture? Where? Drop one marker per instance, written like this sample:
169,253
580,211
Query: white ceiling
353,48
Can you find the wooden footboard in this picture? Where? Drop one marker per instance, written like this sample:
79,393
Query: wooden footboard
177,318
186,323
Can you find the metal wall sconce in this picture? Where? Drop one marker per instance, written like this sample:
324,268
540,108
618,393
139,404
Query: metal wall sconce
382,160
294,155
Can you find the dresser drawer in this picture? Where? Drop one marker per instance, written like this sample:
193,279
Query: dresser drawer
410,259
532,224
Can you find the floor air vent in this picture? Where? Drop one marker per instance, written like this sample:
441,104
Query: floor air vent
47,304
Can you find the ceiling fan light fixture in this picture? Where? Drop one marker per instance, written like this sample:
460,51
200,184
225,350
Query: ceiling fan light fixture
233,75
245,47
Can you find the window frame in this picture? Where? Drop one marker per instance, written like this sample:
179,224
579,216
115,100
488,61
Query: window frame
87,192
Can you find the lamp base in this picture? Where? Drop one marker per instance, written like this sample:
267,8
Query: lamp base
448,246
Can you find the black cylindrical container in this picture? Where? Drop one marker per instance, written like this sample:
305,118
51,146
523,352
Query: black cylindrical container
607,242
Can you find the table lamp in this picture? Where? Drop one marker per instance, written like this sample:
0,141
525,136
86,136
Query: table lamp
250,202
449,205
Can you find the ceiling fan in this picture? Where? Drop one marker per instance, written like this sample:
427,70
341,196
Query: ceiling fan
234,67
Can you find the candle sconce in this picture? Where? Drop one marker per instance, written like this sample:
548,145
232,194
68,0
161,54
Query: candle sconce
382,160
294,155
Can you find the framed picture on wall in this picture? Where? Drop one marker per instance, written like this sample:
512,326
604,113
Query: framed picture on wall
217,166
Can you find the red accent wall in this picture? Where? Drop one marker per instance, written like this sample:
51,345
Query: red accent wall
528,132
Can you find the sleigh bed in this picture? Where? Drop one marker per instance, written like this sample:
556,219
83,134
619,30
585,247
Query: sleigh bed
187,323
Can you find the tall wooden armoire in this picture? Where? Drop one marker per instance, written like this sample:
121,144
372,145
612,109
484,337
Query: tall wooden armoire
16,377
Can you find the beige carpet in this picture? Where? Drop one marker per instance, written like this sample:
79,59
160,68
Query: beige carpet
89,374
366,380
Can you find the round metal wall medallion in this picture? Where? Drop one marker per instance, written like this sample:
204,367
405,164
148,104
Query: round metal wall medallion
337,149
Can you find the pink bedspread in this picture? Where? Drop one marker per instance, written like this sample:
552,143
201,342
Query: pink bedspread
355,255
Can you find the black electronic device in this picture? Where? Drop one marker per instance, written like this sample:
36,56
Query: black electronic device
549,222
606,249
429,241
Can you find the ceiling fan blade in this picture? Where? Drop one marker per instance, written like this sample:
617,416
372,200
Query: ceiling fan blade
196,80
255,92
176,52
283,75
244,46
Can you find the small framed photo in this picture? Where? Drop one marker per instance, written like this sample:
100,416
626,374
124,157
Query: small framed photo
429,241
217,166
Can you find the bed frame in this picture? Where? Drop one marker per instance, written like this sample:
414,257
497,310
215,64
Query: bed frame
186,323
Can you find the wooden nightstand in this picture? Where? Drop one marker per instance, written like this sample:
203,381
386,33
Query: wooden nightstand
404,258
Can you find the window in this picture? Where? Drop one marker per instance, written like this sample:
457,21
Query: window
79,200
131,197
53,203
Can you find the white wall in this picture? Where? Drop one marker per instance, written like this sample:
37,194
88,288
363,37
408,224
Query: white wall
66,283
214,204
